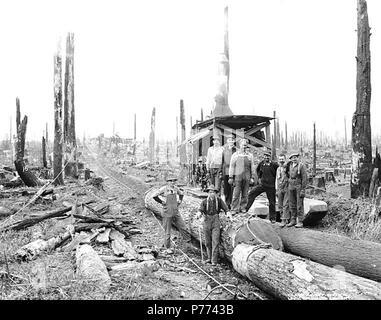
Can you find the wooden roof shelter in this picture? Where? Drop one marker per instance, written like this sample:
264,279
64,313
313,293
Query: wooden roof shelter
256,129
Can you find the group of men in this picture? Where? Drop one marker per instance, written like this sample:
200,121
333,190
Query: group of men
235,171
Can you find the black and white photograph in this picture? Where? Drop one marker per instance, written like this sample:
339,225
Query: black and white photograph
184,157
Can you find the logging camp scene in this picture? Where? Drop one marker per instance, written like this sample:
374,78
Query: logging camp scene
190,150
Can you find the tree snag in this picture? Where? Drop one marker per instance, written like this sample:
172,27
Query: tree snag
26,175
58,132
71,166
361,128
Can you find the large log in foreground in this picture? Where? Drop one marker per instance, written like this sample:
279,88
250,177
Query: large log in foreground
282,275
359,257
290,277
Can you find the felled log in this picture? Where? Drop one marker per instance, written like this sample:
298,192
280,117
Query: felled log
90,267
24,192
135,268
28,222
35,248
359,257
289,277
18,225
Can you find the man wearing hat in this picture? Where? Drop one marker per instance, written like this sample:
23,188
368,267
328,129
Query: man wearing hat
214,162
297,184
229,149
173,196
266,171
210,209
241,174
281,183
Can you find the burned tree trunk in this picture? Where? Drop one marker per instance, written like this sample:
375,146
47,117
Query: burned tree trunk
134,149
26,175
71,167
361,128
314,155
177,137
285,137
58,133
44,162
182,120
152,138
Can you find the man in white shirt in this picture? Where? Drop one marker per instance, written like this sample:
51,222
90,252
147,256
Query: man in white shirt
214,163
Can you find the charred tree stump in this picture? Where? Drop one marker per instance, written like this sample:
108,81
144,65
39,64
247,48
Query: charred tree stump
26,175
361,128
58,132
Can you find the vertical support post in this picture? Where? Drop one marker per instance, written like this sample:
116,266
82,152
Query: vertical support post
273,151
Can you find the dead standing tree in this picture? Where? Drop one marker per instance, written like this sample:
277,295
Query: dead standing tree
361,128
26,175
58,132
152,138
182,120
71,167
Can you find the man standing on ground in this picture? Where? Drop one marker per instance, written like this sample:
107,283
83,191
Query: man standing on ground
297,184
281,183
214,163
229,149
266,171
173,196
241,174
210,209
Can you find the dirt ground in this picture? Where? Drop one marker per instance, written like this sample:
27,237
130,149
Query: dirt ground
52,275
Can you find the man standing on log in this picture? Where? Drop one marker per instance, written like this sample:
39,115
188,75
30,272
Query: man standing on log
229,149
297,184
173,196
281,183
266,171
214,163
241,174
210,209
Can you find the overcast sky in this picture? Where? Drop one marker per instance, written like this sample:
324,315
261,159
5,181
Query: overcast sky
293,56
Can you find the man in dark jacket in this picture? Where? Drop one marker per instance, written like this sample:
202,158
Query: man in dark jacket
210,209
266,171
